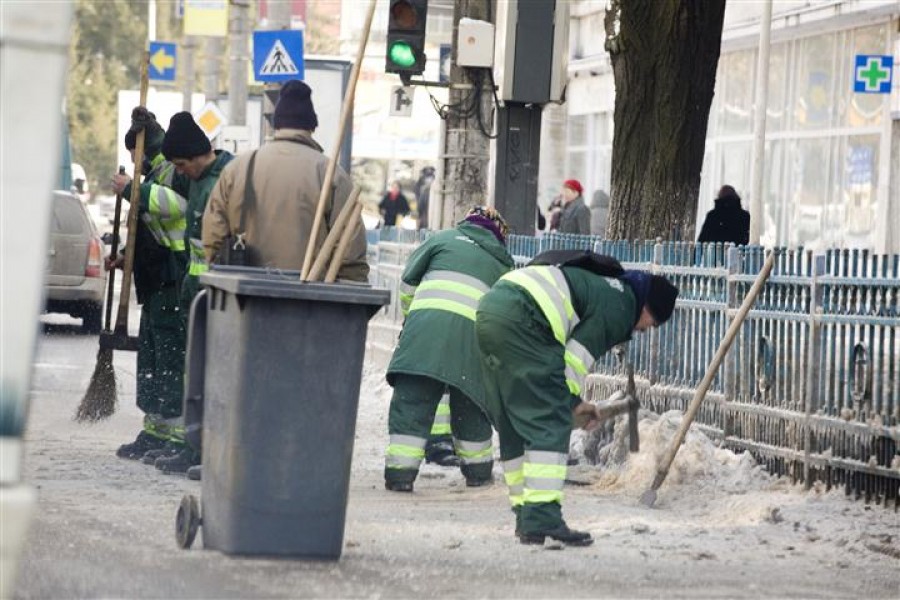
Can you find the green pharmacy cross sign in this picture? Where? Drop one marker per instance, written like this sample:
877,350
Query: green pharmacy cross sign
873,74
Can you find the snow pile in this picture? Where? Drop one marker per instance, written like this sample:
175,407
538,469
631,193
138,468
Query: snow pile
699,463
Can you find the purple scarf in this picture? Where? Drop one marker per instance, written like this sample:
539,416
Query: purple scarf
487,224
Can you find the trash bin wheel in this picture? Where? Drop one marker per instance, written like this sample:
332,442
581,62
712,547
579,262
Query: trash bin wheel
187,521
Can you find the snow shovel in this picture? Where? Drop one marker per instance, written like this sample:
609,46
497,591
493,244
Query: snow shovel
648,498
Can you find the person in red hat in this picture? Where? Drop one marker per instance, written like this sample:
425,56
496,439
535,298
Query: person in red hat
576,216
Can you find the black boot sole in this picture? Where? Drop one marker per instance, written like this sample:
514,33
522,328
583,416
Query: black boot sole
538,539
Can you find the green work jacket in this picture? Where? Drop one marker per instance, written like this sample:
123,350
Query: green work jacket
443,281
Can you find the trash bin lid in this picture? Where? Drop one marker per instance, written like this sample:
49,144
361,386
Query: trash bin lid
254,281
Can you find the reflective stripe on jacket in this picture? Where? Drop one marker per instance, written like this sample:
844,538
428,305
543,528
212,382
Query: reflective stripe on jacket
451,291
549,289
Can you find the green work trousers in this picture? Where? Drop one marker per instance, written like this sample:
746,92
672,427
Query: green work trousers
526,398
160,359
190,287
411,415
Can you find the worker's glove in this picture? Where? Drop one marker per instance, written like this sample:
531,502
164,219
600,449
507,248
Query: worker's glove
110,263
585,416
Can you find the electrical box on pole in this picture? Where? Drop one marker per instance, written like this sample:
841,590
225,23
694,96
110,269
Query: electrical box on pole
531,58
405,50
531,51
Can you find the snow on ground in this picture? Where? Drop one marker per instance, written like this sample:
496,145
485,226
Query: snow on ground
721,527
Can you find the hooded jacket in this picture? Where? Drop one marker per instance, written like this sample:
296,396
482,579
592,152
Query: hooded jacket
727,222
436,342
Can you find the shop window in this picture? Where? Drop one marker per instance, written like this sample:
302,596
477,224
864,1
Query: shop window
815,77
861,110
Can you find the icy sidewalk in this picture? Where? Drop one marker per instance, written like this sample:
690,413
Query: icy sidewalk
722,526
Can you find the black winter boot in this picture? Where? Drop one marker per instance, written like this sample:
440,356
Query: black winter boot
143,443
170,449
398,486
179,463
195,473
441,453
562,533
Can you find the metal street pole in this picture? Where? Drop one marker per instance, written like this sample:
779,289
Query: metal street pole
757,168
188,44
237,54
278,17
212,67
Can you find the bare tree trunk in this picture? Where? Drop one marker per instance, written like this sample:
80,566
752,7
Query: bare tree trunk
664,58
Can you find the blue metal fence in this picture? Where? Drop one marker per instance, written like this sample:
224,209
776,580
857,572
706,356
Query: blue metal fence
811,386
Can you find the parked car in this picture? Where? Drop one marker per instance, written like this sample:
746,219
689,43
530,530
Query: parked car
76,280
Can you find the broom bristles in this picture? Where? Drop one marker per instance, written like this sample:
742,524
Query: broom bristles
99,400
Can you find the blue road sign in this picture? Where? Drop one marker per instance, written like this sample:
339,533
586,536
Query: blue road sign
278,55
873,74
162,61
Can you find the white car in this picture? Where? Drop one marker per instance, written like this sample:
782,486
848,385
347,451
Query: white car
76,280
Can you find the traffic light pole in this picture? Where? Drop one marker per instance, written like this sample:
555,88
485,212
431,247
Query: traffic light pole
464,157
516,159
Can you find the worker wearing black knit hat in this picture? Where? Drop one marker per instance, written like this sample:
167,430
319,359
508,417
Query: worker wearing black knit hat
294,109
185,139
286,176
540,329
160,261
189,149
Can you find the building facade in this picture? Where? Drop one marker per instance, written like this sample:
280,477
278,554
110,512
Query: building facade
832,172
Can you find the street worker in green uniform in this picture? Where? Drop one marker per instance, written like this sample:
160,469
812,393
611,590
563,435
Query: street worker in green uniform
159,265
539,331
189,149
440,288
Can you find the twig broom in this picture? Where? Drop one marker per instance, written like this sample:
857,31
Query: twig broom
99,401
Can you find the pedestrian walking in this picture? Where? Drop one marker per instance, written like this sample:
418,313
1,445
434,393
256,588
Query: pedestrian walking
159,265
539,331
440,288
727,222
393,204
599,213
422,191
575,216
285,178
189,150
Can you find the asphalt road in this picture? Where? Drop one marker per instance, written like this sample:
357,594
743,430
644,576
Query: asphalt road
105,526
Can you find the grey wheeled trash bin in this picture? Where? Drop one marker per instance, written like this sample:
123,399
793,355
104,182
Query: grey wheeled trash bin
283,366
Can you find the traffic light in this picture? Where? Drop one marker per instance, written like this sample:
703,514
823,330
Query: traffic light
406,37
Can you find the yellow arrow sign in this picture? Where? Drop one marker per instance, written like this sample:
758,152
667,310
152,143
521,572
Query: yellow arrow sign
162,61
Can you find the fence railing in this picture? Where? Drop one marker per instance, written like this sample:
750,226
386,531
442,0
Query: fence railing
811,386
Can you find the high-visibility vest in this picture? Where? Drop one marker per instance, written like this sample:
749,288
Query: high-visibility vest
548,288
165,215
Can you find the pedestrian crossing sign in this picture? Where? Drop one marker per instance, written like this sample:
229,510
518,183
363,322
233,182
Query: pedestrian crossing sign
278,55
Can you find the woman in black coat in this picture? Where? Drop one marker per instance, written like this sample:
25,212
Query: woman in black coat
727,222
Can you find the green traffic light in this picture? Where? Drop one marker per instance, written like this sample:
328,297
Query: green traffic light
402,55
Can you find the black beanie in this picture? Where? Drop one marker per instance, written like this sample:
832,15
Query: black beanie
185,139
661,298
141,118
295,108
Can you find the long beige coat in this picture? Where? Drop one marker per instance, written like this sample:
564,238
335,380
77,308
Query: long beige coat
287,177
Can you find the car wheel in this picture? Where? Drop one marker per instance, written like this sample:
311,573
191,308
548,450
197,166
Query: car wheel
92,318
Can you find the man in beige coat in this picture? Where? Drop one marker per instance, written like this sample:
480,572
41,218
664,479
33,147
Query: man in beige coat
288,174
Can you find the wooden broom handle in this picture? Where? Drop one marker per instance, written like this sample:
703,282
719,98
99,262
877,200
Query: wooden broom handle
125,292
